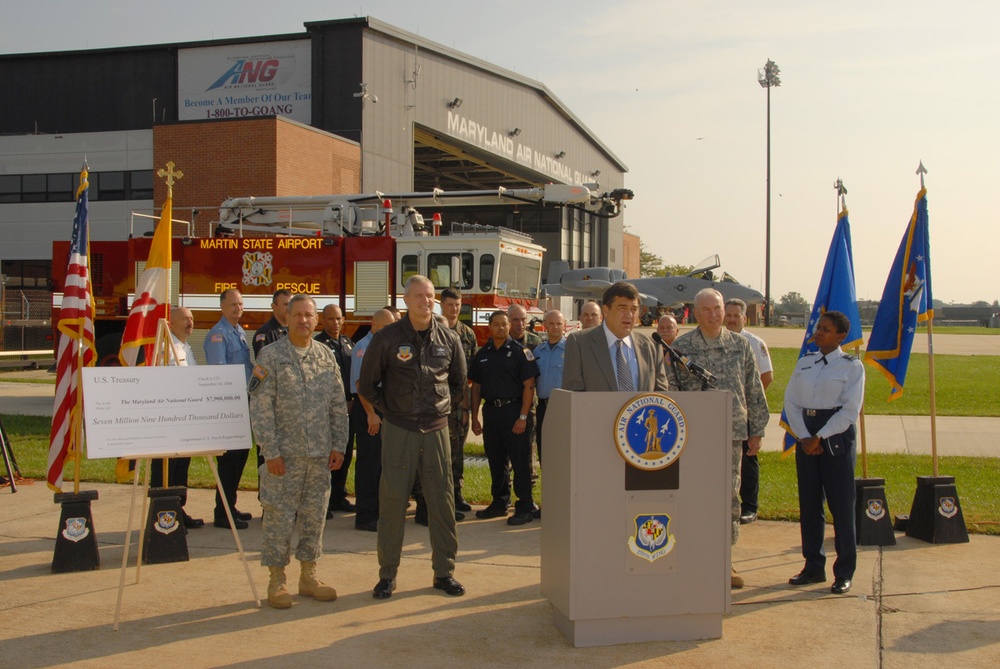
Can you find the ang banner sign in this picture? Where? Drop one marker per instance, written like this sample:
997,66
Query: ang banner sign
245,81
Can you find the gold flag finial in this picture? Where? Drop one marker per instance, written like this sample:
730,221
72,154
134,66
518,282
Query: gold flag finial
171,175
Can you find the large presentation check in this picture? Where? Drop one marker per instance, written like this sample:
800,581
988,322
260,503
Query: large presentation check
136,412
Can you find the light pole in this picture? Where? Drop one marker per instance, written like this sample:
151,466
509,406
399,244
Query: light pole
768,78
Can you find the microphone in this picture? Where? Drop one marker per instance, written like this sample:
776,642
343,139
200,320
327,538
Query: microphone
686,362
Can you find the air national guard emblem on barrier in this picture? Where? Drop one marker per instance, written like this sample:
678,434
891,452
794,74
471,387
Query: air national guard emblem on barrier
652,539
876,509
650,432
76,529
166,522
947,507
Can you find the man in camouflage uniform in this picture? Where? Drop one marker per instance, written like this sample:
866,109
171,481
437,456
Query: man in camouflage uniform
458,420
730,358
518,328
300,425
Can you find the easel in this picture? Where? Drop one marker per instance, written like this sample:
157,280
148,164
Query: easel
9,461
164,348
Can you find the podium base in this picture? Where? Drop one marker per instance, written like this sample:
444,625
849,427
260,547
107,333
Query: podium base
872,520
76,540
165,537
936,514
611,631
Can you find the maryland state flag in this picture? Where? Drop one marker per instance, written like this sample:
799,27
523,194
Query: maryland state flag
152,295
836,293
906,301
76,345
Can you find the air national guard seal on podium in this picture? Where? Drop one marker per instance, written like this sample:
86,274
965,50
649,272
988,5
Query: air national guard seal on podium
650,432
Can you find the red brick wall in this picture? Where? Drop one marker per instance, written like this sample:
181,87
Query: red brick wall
630,254
259,157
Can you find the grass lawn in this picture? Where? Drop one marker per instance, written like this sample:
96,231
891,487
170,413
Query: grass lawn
966,385
978,483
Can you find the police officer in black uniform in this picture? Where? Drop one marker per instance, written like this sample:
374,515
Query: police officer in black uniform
332,320
503,375
277,326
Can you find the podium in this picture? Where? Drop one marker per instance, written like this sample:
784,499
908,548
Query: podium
602,590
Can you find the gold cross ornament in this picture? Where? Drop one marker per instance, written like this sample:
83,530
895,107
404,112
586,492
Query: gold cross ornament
171,175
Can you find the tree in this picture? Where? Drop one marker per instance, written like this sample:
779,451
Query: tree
792,304
650,264
675,270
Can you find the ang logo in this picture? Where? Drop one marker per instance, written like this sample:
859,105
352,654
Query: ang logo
248,72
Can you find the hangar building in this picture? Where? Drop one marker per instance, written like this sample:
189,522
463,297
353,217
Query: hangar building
347,106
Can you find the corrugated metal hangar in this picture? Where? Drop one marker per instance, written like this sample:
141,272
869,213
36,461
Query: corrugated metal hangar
351,105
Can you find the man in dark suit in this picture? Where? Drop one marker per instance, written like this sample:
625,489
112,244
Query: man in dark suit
610,357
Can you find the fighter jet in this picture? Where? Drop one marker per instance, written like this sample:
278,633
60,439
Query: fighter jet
660,291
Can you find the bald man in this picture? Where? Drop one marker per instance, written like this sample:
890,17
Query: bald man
181,355
590,316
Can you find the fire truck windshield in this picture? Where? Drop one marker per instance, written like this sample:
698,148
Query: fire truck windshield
518,276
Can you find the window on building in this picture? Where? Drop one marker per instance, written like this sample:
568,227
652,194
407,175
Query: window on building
110,185
34,188
60,188
10,188
141,185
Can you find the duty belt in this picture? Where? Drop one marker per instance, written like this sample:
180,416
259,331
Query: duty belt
820,412
503,402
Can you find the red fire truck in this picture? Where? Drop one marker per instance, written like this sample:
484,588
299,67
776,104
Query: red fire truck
355,251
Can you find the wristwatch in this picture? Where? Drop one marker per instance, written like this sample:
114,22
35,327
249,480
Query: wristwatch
523,416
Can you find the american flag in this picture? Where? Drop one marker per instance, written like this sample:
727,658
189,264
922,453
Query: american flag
76,346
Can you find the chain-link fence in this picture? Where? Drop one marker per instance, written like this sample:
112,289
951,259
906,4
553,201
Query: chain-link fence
27,320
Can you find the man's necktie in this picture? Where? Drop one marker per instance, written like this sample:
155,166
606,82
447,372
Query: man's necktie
624,373
824,360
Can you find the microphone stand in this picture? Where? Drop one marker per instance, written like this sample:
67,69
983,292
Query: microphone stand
707,378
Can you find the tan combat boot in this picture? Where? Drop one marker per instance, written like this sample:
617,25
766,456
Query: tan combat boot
277,595
310,586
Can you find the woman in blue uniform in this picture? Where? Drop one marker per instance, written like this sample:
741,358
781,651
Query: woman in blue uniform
822,403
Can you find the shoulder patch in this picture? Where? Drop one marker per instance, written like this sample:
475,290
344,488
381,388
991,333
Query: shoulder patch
259,374
261,337
528,354
215,338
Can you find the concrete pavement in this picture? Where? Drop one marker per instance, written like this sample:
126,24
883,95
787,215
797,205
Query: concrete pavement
913,604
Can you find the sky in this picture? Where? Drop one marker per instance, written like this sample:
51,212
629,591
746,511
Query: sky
868,92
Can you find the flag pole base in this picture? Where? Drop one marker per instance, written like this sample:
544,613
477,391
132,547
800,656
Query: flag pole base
936,514
76,540
872,520
165,536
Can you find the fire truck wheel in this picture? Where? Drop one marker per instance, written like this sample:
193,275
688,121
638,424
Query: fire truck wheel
107,349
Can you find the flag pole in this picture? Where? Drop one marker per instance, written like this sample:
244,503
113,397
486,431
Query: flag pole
841,206
921,171
76,443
